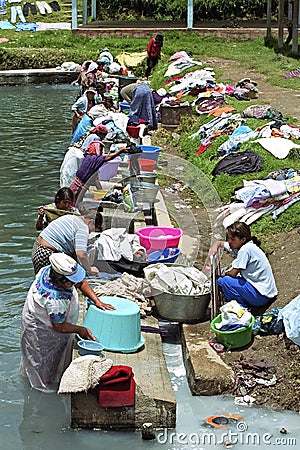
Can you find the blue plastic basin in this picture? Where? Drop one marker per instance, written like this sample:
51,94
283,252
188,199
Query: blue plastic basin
86,347
118,330
168,255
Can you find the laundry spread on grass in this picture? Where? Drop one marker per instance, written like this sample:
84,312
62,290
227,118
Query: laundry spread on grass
292,74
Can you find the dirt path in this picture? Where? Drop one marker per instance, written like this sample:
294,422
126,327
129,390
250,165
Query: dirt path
285,100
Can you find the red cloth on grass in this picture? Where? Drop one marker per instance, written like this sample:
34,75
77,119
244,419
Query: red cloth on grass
117,388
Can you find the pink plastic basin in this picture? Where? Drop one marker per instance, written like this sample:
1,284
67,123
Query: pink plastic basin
159,238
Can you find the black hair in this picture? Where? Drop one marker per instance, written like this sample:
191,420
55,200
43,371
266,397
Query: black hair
159,39
100,86
242,230
64,193
58,277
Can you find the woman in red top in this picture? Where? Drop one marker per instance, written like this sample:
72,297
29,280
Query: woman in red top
153,52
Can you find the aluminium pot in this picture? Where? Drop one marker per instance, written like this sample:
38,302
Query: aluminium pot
182,308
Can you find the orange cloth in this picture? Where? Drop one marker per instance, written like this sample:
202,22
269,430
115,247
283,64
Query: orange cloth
217,112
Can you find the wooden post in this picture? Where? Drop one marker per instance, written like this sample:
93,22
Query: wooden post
295,45
280,23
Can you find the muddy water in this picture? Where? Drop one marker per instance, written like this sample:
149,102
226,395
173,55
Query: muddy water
34,135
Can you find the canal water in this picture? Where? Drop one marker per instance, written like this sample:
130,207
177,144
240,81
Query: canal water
34,134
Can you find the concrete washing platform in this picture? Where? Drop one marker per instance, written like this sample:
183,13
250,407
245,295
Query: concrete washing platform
155,401
35,76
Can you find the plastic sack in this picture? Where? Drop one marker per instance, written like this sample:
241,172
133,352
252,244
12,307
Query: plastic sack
130,204
234,314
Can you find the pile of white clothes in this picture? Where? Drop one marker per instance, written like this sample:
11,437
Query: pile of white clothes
176,280
115,243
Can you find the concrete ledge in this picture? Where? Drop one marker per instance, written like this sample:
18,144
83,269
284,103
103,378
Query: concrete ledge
239,33
155,401
36,76
207,374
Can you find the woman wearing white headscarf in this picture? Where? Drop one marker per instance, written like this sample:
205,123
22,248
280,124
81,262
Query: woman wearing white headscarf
49,320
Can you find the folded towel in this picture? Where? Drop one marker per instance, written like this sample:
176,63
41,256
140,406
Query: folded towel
117,388
83,374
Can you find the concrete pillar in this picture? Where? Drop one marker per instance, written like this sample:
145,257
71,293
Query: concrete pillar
74,15
190,14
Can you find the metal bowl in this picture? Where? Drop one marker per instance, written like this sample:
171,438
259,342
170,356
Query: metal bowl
145,192
182,308
148,177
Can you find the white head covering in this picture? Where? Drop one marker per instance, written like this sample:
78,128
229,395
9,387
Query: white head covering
67,266
92,67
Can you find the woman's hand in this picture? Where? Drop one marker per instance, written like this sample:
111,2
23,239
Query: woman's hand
215,247
104,306
85,333
94,270
41,211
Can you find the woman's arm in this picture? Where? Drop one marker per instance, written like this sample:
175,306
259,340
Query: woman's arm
215,247
86,289
110,156
67,327
231,273
39,225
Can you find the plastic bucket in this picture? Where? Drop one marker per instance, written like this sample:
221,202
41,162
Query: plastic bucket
159,238
133,131
118,330
109,169
124,106
233,339
146,165
150,152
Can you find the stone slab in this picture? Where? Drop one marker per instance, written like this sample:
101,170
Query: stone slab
155,401
206,372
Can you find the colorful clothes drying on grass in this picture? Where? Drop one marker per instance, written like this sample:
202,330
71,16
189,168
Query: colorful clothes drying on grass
292,74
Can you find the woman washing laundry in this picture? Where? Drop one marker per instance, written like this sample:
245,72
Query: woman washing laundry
87,172
49,320
142,107
249,280
68,234
82,106
63,200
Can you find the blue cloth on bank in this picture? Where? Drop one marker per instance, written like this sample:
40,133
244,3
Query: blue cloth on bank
26,26
6,25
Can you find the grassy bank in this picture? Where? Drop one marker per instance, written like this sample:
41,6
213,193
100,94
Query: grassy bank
44,49
52,48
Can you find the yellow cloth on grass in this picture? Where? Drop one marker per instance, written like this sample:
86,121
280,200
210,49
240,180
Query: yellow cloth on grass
131,59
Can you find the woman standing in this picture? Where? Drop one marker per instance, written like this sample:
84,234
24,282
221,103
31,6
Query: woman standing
250,279
154,52
49,320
